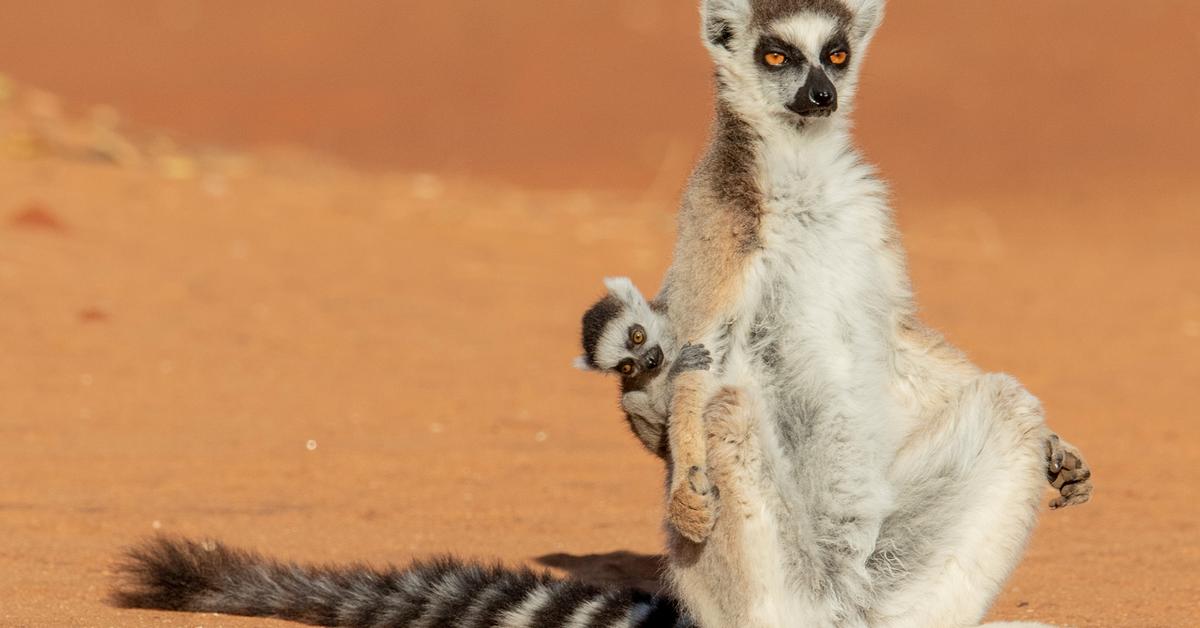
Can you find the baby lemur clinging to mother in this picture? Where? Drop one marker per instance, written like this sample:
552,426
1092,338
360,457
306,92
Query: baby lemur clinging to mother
627,336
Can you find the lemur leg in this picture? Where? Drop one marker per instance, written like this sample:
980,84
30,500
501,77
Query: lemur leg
692,499
968,488
734,578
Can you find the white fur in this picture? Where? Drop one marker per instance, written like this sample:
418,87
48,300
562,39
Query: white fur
808,32
582,617
524,614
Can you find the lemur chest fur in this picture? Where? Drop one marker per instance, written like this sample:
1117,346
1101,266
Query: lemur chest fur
817,276
816,330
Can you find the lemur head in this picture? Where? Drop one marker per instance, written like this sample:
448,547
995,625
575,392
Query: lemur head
790,61
623,334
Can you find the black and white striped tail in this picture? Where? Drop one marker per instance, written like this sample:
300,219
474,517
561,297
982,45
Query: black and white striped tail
185,575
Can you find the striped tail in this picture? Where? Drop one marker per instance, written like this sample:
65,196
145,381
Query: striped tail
185,575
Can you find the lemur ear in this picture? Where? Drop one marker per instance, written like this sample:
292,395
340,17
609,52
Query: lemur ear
581,363
868,15
623,290
721,21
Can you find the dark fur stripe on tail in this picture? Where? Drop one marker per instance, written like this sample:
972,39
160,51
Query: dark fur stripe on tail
184,575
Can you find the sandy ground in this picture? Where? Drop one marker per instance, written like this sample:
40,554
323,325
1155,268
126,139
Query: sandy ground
333,363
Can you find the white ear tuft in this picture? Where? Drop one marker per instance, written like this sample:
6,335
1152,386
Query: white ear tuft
722,20
868,15
623,289
581,363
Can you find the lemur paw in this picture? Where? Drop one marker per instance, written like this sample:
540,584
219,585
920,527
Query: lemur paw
692,510
693,358
1068,473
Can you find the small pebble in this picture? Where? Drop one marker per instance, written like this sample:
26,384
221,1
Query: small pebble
93,315
37,216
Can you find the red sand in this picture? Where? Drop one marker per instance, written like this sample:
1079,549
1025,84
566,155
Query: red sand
195,321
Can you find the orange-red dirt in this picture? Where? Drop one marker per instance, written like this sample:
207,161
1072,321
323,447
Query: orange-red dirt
368,358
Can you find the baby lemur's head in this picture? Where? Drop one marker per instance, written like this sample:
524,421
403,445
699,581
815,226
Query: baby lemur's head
624,334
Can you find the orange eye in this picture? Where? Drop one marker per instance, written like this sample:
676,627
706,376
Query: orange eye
638,336
775,59
626,368
839,57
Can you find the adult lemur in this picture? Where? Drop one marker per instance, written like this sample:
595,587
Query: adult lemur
881,479
869,474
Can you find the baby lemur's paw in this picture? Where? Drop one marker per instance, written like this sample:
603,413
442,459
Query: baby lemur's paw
692,510
1067,472
693,358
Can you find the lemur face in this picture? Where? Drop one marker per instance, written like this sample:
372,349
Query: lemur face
793,61
622,334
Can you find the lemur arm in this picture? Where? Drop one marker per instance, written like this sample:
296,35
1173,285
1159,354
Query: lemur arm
701,291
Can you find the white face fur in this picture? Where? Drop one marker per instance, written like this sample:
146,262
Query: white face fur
792,63
636,337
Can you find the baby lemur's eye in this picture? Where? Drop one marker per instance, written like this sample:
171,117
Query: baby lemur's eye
775,59
839,57
626,367
637,335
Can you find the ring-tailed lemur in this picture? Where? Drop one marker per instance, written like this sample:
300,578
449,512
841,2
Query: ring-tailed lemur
626,336
691,503
870,475
888,481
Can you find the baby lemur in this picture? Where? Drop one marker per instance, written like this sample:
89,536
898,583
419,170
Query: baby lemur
627,336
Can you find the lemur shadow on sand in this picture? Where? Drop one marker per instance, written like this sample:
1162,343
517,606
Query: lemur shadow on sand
620,569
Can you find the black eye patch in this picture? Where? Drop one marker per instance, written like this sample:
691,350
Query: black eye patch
838,44
769,44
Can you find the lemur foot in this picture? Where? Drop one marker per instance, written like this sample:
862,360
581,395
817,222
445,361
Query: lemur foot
693,506
1068,473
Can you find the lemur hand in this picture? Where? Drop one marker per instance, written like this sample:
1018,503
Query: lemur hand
692,358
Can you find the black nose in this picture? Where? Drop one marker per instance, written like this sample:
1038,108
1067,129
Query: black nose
821,96
654,357
817,97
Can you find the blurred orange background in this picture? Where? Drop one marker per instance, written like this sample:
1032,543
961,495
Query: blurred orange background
990,95
309,279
